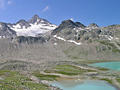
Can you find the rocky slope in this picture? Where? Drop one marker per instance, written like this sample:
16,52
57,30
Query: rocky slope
89,42
5,31
70,30
41,43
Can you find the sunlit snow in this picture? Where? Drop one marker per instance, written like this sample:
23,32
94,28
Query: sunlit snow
71,41
33,30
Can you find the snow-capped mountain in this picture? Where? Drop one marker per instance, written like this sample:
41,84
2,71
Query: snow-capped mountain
32,27
68,30
72,39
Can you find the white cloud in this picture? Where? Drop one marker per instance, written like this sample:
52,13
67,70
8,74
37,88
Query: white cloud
46,9
4,3
9,2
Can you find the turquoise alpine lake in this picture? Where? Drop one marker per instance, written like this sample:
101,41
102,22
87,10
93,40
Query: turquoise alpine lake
86,85
108,65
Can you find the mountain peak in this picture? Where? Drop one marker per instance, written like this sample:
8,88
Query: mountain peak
67,21
32,27
71,24
36,20
36,16
80,24
68,24
94,25
22,21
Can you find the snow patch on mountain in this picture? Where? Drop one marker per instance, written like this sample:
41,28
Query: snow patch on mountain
33,30
32,27
60,38
74,42
0,26
108,37
71,41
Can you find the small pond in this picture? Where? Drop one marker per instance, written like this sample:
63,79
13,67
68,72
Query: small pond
86,85
109,65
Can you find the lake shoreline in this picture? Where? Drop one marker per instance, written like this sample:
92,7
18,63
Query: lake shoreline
77,77
82,81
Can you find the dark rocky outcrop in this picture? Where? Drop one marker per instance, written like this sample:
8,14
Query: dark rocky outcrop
30,39
5,31
67,28
23,23
36,19
93,25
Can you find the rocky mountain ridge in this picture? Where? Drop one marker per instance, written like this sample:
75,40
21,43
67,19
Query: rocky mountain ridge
32,27
68,30
68,41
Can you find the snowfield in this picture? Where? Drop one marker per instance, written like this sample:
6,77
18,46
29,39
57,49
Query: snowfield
33,30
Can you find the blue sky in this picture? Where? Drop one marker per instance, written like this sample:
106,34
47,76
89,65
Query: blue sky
102,12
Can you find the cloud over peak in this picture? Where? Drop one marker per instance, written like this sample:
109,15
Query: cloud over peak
46,9
4,3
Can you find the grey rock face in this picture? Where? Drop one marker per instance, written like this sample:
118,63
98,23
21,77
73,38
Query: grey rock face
93,25
70,30
67,27
23,23
6,32
80,24
30,40
67,24
76,31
